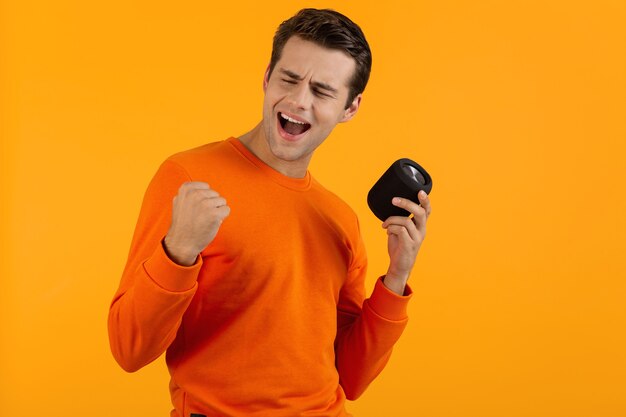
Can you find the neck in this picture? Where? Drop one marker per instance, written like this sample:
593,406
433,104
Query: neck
256,142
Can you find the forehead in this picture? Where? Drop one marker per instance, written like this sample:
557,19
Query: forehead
320,64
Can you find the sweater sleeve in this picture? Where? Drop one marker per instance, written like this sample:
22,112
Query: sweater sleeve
366,330
154,292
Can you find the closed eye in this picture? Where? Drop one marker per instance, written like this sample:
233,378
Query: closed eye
321,94
318,92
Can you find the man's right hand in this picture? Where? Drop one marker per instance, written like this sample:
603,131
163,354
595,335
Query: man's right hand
197,214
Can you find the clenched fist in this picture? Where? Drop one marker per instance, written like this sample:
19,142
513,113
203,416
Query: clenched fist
197,214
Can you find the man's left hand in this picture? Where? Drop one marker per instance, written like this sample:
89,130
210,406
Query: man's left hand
405,236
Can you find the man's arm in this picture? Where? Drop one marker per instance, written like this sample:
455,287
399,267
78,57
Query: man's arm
160,277
366,334
365,338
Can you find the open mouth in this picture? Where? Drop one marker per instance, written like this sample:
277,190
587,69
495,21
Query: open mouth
292,126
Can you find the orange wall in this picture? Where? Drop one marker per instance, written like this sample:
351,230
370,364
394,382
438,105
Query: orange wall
517,109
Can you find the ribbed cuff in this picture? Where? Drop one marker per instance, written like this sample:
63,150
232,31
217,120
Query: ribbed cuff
388,304
168,274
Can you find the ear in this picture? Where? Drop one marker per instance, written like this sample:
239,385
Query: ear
266,77
352,109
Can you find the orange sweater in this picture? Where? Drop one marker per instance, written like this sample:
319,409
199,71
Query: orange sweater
272,319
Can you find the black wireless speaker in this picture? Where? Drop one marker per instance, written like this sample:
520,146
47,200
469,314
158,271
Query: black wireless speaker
404,178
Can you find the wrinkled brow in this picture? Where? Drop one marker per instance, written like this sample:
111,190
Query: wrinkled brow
318,84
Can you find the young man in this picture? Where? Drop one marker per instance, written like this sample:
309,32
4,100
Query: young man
250,274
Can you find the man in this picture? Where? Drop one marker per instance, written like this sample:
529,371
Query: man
252,279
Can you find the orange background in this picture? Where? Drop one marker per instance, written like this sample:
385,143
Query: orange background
517,109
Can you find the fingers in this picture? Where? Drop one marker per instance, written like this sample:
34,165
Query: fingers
215,202
200,191
420,211
195,185
416,225
400,231
196,200
401,226
424,202
411,206
192,187
222,212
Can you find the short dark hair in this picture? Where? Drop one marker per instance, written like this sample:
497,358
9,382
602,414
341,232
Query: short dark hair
329,29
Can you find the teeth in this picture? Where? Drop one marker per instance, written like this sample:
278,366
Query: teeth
284,116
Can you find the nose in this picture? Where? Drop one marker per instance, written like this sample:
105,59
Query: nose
300,96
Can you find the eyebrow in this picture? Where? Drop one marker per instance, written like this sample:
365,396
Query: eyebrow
318,84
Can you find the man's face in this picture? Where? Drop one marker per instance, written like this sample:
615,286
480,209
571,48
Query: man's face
305,98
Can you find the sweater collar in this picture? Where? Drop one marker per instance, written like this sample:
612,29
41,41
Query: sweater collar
299,184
